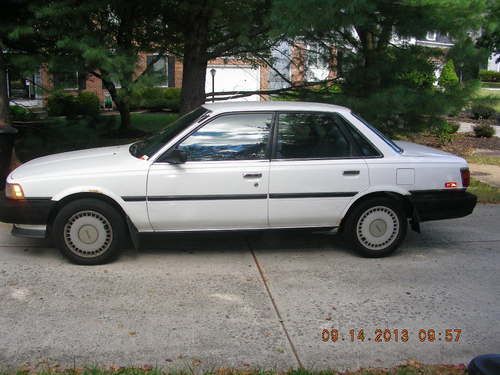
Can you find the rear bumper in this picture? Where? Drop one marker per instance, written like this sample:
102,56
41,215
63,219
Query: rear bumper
33,211
442,204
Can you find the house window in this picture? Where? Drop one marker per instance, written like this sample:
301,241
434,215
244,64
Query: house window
431,35
69,80
159,70
317,67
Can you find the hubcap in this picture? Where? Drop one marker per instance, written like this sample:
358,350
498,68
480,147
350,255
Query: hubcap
88,234
378,227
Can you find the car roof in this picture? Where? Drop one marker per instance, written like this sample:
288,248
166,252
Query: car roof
273,106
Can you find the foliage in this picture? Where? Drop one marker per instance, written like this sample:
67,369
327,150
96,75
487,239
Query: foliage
489,76
468,57
484,130
443,130
61,104
64,104
480,111
156,98
18,113
59,134
88,104
448,78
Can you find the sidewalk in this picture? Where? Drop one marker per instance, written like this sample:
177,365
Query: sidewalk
489,174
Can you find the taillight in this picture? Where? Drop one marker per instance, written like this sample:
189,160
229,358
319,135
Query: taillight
465,173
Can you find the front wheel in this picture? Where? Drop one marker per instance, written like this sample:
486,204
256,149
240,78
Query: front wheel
376,227
89,231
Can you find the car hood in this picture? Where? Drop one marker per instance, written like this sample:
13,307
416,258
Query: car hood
95,161
416,150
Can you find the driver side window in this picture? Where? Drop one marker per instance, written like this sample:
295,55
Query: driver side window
230,137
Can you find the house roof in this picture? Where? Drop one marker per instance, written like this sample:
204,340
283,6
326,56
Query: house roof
273,106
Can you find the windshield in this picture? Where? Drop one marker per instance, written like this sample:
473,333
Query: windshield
146,148
389,141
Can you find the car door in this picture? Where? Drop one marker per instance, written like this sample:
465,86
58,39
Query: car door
316,169
224,182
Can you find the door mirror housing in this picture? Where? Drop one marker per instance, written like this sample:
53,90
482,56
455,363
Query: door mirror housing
175,156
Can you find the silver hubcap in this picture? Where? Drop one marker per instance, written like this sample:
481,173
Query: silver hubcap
377,228
88,234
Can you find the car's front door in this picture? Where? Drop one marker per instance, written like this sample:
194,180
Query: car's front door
224,182
316,169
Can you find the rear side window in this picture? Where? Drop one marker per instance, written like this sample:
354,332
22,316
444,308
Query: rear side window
311,136
365,147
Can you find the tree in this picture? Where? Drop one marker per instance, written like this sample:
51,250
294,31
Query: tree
384,75
201,30
102,38
448,78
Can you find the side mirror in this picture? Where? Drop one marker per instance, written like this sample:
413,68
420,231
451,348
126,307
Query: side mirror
175,156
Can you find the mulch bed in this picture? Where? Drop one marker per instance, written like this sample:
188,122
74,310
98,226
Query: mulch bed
463,144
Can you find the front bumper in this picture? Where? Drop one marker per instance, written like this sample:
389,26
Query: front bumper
442,204
33,211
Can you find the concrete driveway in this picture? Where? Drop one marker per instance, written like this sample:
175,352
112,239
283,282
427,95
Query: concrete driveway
207,301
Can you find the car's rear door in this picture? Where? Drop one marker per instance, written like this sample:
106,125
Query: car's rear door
224,182
316,169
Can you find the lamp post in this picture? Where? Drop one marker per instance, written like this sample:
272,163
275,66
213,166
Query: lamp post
212,72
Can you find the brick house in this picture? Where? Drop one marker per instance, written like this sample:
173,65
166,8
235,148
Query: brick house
296,65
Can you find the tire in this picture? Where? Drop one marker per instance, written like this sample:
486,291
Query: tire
89,231
376,227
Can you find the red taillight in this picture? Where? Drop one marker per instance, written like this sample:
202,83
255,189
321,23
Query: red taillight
451,184
465,173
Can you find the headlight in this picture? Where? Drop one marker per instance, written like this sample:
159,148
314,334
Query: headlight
14,191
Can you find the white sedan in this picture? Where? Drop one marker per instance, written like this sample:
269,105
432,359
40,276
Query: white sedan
239,166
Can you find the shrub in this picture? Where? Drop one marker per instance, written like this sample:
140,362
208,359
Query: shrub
484,130
480,111
448,78
18,113
156,98
489,76
443,130
88,104
63,104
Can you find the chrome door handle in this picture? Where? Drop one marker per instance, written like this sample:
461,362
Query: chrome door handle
252,175
350,173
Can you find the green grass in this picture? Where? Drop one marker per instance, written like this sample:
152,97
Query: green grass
488,97
408,369
151,122
60,134
483,159
485,193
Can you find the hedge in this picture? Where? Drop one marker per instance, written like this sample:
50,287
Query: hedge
489,76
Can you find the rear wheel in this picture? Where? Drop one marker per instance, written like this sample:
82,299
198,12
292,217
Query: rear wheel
376,227
89,231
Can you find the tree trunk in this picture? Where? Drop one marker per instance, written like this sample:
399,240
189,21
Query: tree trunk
122,104
124,109
195,61
7,132
4,99
193,82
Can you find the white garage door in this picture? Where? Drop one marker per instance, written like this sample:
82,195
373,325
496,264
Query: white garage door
234,78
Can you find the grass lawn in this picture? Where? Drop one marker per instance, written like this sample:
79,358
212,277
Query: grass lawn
151,122
488,97
485,193
409,369
62,134
483,159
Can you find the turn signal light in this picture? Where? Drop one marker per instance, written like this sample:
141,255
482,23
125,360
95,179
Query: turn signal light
450,184
14,191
